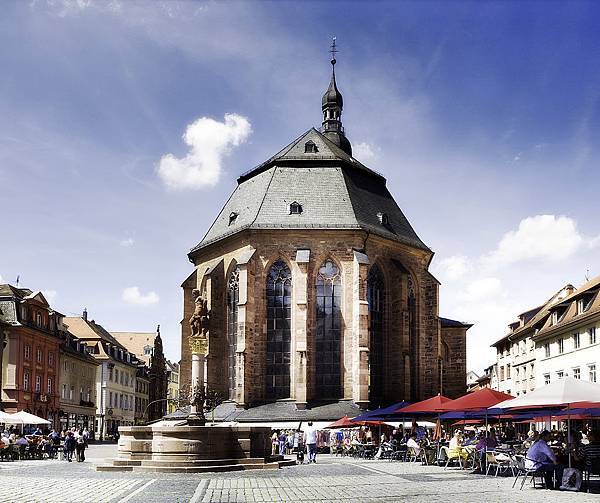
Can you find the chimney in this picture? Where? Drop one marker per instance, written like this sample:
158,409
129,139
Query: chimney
85,314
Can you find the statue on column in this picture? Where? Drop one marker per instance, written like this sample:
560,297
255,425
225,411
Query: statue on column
198,345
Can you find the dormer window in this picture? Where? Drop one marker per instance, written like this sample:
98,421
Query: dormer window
383,218
295,208
310,147
232,217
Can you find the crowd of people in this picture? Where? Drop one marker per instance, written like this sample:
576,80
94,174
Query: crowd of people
299,442
39,444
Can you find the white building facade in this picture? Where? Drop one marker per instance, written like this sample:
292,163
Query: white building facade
555,340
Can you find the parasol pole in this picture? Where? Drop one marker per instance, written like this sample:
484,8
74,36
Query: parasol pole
569,432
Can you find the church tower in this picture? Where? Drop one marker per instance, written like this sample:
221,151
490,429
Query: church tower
321,299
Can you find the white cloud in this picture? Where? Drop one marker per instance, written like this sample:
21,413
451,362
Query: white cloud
543,237
126,243
209,141
132,295
364,151
50,295
483,289
452,268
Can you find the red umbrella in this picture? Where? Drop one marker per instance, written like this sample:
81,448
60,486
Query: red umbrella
432,405
346,422
464,422
481,399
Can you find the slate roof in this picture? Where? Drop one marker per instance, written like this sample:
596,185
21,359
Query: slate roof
448,323
335,191
12,291
279,411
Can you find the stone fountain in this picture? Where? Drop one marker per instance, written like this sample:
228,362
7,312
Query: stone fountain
190,445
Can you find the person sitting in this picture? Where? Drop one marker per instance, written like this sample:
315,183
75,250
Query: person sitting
455,448
591,452
541,458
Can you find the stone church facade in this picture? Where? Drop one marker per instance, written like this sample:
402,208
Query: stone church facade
318,286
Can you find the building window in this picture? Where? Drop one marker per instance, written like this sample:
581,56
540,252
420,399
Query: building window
24,313
38,319
592,372
39,355
63,393
547,349
383,218
233,297
508,371
120,401
560,374
576,340
328,357
81,394
502,373
592,335
50,387
110,399
310,147
577,373
27,352
148,350
554,320
38,384
295,208
26,380
279,316
117,376
561,346
376,299
110,373
546,379
51,359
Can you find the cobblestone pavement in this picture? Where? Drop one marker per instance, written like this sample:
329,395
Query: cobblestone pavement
330,480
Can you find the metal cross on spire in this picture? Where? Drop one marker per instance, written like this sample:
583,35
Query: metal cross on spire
333,50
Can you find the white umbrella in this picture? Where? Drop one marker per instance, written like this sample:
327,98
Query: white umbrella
558,393
23,417
4,416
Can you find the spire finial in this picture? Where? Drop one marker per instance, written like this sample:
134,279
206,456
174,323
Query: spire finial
333,50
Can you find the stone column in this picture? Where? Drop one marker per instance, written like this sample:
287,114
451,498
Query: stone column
300,327
198,346
360,329
245,322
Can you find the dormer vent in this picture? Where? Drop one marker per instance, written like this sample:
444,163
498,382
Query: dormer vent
295,208
232,217
310,147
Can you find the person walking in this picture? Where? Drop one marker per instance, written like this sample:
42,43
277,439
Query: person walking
69,446
80,446
311,442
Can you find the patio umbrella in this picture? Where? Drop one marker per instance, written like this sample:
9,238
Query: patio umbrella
3,416
381,413
564,392
23,417
465,422
432,405
346,422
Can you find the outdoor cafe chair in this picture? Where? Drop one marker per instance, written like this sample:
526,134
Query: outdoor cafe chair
449,457
501,464
591,467
521,471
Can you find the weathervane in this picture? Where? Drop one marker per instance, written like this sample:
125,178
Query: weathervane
333,50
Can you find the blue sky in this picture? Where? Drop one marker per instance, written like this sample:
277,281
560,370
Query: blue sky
483,116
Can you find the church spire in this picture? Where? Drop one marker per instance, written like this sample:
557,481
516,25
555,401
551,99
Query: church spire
332,105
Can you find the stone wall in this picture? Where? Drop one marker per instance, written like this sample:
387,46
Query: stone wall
454,357
412,340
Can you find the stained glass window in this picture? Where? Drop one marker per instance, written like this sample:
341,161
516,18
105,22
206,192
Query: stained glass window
233,296
279,334
376,299
328,332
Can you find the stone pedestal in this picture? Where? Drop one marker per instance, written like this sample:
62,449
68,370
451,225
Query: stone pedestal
193,449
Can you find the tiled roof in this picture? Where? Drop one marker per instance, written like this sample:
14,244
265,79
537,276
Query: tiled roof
335,192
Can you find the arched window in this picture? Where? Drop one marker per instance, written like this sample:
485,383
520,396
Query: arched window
233,297
328,334
279,334
376,299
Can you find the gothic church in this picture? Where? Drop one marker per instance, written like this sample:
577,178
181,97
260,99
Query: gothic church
319,289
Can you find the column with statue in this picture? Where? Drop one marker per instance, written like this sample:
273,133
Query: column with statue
198,346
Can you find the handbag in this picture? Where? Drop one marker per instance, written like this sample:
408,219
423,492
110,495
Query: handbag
571,480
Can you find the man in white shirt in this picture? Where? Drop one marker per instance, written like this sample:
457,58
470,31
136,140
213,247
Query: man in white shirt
540,457
311,442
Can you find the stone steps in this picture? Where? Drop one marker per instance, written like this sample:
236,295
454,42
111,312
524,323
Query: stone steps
198,466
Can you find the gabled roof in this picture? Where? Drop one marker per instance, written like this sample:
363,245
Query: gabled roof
334,189
90,330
